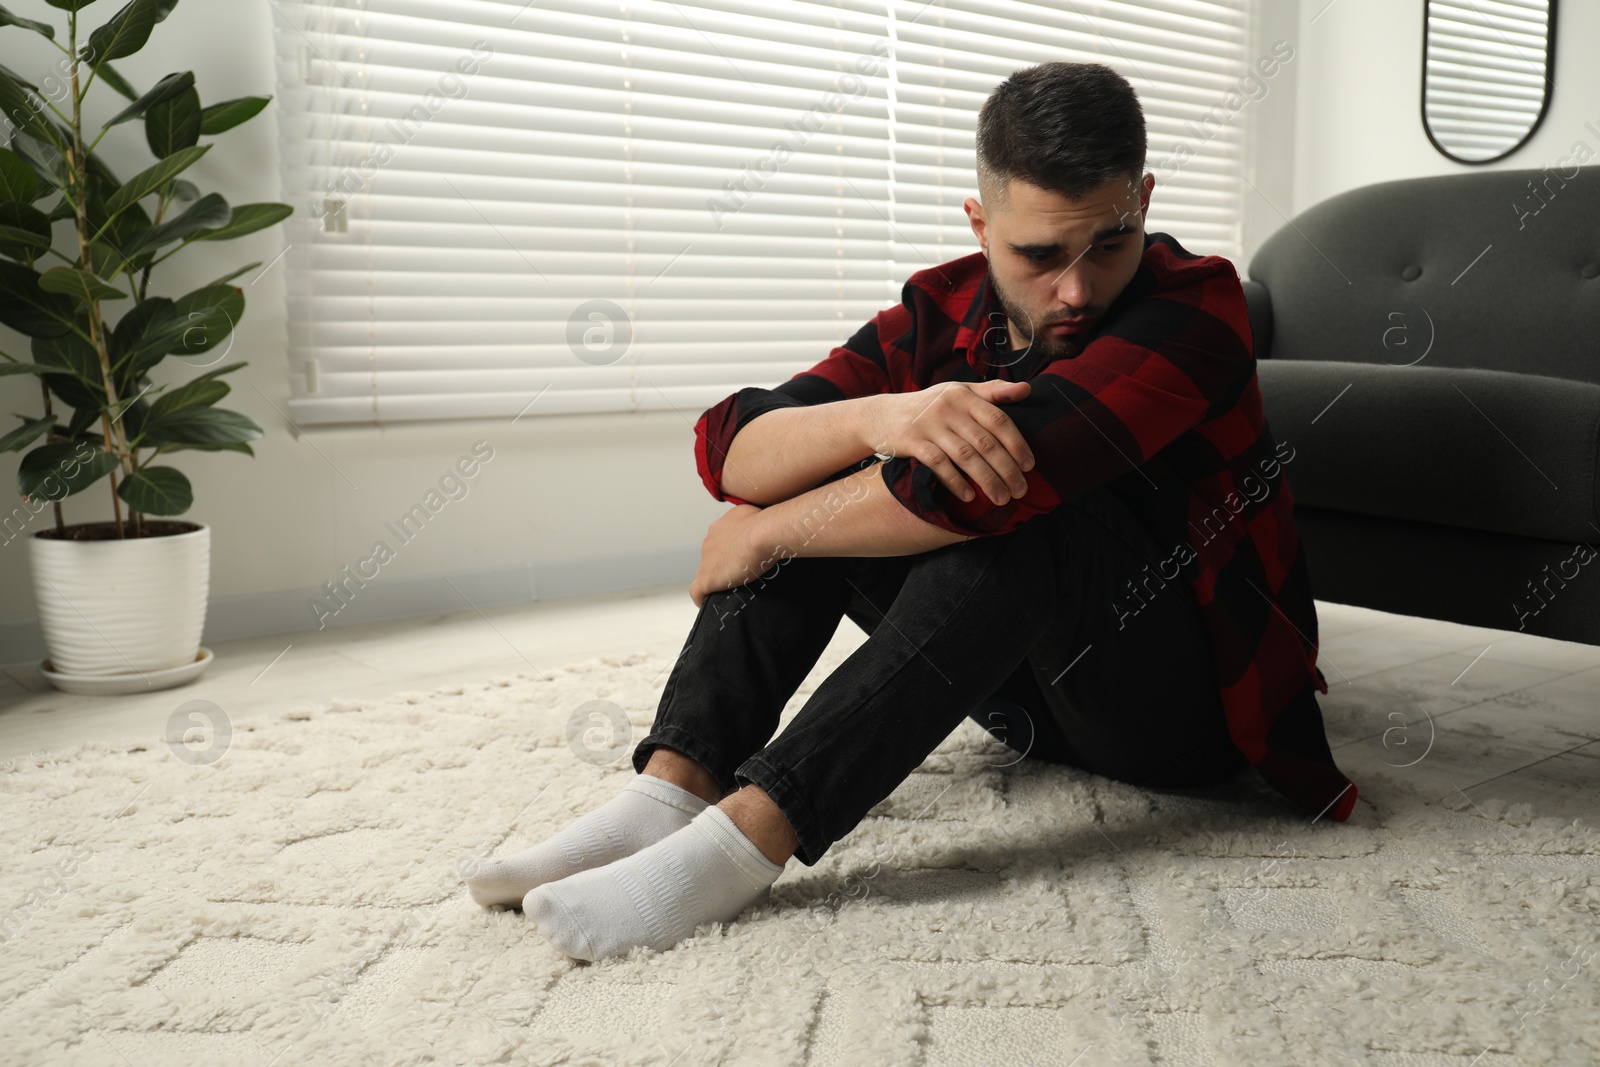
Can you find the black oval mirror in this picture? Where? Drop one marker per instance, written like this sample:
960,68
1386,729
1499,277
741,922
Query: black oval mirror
1486,74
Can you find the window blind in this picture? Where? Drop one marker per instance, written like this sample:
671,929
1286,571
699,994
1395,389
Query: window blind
569,206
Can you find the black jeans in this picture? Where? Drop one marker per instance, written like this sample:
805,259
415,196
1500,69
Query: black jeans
1032,633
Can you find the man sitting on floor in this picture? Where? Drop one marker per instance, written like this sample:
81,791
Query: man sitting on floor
1044,486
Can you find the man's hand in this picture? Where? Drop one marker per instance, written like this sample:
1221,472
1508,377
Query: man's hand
956,427
729,555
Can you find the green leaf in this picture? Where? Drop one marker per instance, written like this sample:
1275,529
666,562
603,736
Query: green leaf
26,434
75,369
24,231
209,211
131,409
18,183
209,316
228,446
173,125
182,189
216,371
202,392
29,309
47,162
171,86
79,284
19,79
69,5
44,160
17,104
144,336
147,181
248,218
97,167
59,470
226,278
8,368
157,491
106,252
200,426
219,118
82,419
109,75
123,34
8,19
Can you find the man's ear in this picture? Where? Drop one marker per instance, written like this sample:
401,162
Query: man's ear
974,209
1145,188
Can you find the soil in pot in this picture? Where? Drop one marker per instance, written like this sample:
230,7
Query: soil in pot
107,531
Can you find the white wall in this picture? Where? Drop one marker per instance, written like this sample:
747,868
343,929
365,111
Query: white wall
569,504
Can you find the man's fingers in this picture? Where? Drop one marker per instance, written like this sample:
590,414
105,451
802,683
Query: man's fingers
988,416
1015,445
992,432
970,459
1000,387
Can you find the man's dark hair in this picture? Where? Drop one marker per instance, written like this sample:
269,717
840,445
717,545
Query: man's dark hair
1065,127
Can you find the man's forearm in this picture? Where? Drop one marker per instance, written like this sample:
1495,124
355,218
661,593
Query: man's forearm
787,451
854,516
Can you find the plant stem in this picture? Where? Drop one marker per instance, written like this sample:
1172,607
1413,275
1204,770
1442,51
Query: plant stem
115,440
61,526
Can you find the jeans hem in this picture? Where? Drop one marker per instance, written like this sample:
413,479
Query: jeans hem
776,784
688,743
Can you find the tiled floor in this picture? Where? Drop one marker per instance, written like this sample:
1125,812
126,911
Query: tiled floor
1455,710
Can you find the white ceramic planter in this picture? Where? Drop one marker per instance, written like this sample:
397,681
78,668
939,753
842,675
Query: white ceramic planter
124,615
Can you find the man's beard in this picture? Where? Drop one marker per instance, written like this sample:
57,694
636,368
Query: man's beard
1040,346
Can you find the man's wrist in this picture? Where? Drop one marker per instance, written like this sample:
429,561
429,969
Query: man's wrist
766,534
865,423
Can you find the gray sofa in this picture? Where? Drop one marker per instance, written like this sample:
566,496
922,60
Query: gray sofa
1431,350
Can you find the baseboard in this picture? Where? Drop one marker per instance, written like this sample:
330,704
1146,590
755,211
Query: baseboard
286,611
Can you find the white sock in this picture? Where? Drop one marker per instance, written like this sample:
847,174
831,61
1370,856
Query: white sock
707,872
645,811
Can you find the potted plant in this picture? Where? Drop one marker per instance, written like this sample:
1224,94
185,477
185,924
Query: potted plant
121,603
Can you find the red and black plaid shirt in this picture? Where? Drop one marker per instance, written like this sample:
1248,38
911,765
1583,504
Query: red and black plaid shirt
1162,407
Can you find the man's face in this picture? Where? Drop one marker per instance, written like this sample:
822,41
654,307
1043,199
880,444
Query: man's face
1056,264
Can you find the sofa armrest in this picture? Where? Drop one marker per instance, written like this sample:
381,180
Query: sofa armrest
1258,303
1483,449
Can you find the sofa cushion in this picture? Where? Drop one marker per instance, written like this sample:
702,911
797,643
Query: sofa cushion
1490,450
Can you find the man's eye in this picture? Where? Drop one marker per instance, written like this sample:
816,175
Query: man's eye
1108,249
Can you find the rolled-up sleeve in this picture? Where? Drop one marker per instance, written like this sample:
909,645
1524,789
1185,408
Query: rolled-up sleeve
859,367
1159,368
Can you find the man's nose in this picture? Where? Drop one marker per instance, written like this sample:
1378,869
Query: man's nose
1073,287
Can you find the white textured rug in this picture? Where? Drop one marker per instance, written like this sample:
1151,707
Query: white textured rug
296,901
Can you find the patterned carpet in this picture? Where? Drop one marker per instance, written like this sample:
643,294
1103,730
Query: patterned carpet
284,890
